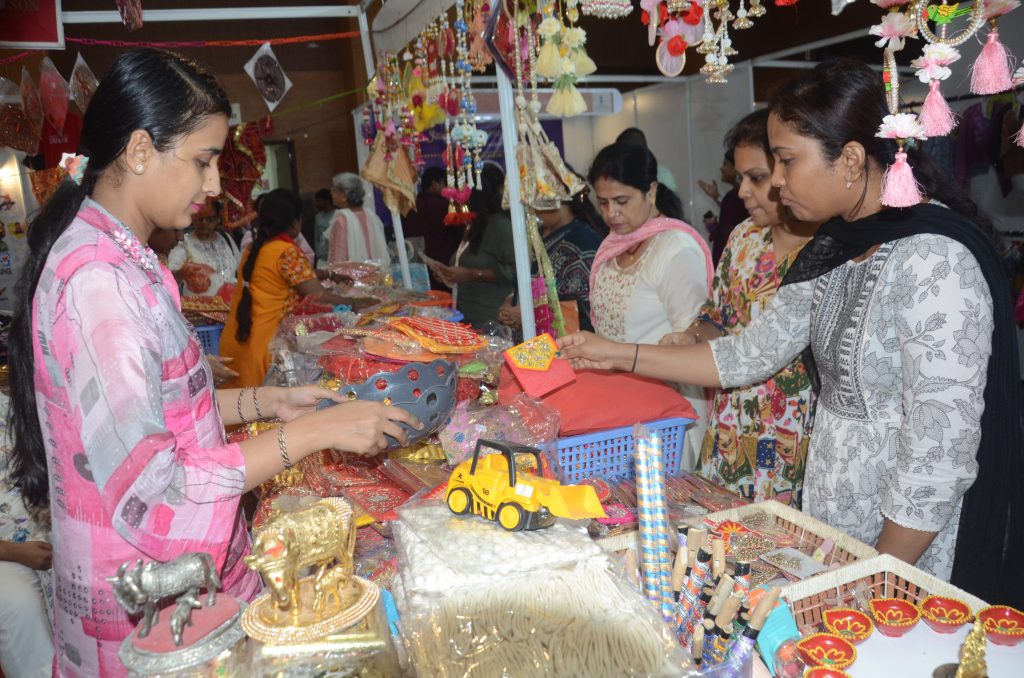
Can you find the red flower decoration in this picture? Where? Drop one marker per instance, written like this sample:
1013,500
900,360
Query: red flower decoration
662,13
785,3
645,18
676,45
694,15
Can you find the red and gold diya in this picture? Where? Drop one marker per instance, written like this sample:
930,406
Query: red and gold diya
825,672
943,614
1004,625
894,616
845,622
827,650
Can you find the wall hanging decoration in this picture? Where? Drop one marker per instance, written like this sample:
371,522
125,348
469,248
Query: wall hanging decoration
83,84
899,187
131,13
607,9
991,73
31,103
53,90
16,130
268,76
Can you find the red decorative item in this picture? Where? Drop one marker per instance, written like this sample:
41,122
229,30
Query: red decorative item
379,500
31,104
1004,625
676,46
53,90
693,15
436,335
825,672
83,84
241,165
45,183
825,649
785,3
16,130
853,625
131,14
894,616
945,615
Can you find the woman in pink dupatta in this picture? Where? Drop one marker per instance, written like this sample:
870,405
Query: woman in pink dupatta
653,272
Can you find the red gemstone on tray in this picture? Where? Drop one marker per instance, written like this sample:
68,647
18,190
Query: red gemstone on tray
826,649
944,614
894,616
1004,625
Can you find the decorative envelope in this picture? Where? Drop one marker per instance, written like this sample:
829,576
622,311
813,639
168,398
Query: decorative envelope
536,368
440,336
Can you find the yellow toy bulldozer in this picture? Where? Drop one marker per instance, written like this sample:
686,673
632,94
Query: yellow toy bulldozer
492,487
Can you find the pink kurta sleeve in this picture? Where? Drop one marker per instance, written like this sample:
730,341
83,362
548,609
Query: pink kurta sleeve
145,422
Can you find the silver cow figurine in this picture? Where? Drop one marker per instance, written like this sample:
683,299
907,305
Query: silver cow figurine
142,587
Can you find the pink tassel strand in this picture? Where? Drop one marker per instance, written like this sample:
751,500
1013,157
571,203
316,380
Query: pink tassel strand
937,118
1019,139
991,73
899,187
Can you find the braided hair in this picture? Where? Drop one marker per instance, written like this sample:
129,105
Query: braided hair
278,212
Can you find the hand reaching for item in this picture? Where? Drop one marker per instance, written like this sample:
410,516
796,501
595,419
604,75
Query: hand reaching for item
509,314
360,426
196,276
587,351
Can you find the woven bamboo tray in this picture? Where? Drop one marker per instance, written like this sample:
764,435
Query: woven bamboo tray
810,531
884,576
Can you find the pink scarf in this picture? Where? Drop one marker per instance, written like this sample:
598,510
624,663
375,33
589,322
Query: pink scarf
616,244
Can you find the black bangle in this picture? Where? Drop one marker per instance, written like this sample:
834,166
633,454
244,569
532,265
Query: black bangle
636,354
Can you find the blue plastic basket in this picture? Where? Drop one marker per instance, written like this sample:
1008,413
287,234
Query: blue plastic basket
610,454
209,337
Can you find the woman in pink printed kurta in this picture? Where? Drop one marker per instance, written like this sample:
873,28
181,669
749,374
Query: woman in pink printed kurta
140,467
116,423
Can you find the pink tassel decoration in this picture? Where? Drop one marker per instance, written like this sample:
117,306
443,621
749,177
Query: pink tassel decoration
937,118
991,73
899,187
1019,139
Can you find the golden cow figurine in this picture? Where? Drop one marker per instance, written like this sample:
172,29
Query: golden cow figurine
301,609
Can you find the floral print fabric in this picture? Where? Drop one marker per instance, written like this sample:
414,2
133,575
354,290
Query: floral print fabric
757,437
902,340
138,461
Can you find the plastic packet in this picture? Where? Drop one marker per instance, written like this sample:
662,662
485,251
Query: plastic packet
83,84
16,129
53,90
361,274
31,103
579,619
523,420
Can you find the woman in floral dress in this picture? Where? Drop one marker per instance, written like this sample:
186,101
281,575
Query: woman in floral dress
757,437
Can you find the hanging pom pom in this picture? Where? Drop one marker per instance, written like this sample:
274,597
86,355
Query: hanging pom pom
583,63
937,118
549,62
566,102
991,73
899,187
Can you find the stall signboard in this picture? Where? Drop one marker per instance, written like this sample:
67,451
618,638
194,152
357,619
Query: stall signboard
31,24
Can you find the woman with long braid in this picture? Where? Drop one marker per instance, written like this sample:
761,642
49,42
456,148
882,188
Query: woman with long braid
273,276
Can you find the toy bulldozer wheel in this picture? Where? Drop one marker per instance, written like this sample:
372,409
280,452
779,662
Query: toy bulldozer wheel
459,501
511,517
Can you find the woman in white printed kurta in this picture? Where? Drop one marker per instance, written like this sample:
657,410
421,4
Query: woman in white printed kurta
901,348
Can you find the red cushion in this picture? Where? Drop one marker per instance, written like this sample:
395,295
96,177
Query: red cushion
600,400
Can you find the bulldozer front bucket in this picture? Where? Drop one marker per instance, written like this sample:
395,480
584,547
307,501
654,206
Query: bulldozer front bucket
575,502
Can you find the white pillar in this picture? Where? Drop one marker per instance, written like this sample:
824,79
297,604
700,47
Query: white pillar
507,105
403,256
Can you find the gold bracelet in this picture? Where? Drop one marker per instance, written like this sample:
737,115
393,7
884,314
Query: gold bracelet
283,447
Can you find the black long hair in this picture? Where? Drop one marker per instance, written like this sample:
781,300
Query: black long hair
635,165
278,211
844,100
162,93
485,202
751,130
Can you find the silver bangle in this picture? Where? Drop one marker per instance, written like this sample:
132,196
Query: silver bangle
283,447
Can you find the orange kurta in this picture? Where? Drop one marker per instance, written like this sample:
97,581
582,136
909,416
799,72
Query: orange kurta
280,267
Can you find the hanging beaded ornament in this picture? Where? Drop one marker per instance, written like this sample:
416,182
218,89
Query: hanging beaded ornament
606,9
899,188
